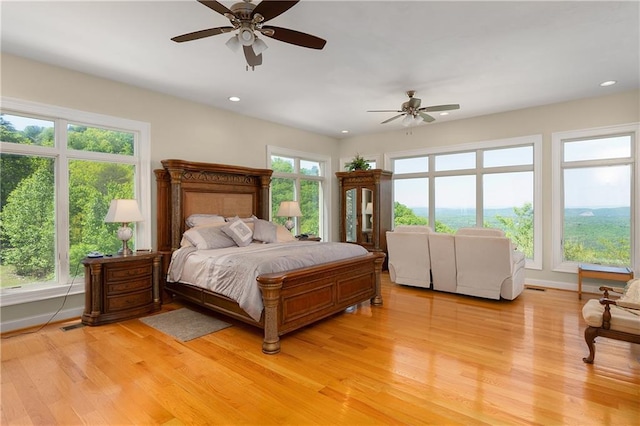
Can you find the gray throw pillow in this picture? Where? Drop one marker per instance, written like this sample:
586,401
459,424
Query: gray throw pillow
265,231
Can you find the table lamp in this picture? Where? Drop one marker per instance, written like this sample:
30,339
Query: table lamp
289,209
124,211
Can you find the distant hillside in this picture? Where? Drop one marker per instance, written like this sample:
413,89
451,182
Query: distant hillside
506,212
599,212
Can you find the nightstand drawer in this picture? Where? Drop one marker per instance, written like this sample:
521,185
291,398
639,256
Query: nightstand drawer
129,301
128,286
118,272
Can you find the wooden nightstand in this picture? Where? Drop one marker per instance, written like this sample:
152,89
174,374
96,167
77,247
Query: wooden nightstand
121,287
309,238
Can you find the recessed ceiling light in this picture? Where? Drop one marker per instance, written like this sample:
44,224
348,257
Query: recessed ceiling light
345,131
608,83
444,113
234,99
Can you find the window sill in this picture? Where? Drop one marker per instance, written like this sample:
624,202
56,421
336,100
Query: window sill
37,292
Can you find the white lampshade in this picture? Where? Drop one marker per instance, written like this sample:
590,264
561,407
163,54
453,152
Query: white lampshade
259,46
369,208
233,43
289,209
246,36
123,211
407,120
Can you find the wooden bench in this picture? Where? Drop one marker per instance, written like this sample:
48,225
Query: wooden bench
601,272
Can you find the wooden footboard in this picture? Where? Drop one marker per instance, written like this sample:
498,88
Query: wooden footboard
297,298
301,297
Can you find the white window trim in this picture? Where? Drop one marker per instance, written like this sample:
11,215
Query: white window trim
324,179
557,255
142,140
535,140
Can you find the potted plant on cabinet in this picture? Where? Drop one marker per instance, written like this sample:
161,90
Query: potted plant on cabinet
358,163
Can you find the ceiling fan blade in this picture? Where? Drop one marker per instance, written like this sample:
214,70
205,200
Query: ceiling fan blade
426,117
384,110
414,102
294,37
253,60
201,34
214,5
392,118
436,108
271,9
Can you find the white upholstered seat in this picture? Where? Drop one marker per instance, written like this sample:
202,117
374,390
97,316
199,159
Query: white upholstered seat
409,259
487,265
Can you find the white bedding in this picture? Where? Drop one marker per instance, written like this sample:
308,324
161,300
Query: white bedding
233,271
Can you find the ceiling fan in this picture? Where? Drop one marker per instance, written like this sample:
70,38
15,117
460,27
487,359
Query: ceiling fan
414,114
248,19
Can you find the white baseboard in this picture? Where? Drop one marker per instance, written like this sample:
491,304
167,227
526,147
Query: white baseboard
40,319
560,285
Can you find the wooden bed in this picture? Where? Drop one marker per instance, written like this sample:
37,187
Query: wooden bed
292,299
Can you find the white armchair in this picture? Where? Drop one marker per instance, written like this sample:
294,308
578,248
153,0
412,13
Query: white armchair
409,260
487,264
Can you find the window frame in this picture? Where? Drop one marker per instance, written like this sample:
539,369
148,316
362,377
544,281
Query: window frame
61,116
557,213
323,179
478,147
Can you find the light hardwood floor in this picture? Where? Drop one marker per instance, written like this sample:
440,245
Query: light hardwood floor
422,358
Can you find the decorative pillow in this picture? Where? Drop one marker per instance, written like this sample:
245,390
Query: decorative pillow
208,237
265,231
283,235
239,232
631,296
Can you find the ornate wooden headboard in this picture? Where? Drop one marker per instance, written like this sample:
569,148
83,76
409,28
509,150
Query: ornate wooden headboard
186,187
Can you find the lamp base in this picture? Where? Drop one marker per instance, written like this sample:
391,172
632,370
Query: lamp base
289,224
125,251
125,233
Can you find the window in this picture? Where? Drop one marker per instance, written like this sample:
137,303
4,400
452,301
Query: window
594,205
491,184
301,177
60,169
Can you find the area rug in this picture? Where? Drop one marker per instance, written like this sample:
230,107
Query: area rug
185,324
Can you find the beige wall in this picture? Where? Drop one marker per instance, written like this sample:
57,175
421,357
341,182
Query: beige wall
191,131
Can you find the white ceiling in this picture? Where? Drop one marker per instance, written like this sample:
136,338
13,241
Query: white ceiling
487,56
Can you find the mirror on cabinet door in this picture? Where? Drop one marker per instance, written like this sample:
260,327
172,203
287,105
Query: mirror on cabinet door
351,215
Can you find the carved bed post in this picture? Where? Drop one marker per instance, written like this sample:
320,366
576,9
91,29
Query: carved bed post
271,298
176,208
265,183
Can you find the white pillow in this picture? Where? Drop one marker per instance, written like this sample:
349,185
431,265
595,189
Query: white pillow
203,220
265,231
631,295
239,232
208,237
244,219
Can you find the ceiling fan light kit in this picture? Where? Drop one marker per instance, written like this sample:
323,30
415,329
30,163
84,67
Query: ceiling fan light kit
413,113
246,18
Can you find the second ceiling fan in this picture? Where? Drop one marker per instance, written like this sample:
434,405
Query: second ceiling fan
413,113
248,19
